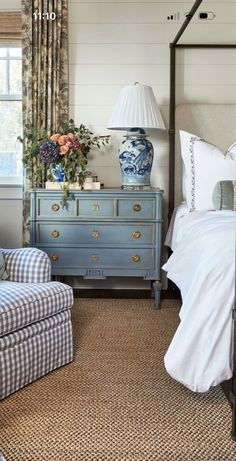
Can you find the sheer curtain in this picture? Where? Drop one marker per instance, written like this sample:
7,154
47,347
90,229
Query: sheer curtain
45,72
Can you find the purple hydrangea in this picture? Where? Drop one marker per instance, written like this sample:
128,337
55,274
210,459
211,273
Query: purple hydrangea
49,151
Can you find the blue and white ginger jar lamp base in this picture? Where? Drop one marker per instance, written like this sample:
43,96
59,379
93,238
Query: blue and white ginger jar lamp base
136,158
58,173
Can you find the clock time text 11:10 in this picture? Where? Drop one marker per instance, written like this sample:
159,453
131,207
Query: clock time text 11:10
48,16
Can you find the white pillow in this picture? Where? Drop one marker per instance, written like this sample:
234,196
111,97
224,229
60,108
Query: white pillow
204,165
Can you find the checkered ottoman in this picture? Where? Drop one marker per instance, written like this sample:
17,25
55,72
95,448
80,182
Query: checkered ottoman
35,320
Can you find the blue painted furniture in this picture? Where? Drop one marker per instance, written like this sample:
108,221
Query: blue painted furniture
110,232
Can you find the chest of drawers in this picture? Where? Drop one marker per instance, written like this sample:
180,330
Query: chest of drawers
103,233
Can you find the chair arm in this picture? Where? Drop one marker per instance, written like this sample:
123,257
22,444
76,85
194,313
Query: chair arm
27,265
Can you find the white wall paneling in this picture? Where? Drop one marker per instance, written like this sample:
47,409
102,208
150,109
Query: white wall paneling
152,74
118,53
114,43
149,33
98,95
93,74
148,53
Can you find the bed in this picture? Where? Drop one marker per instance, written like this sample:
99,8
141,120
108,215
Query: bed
191,239
202,265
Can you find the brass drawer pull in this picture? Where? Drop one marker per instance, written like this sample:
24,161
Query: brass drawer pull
136,234
136,258
54,257
137,207
55,207
55,234
95,207
95,233
95,257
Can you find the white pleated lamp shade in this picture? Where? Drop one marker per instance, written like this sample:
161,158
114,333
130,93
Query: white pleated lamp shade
136,107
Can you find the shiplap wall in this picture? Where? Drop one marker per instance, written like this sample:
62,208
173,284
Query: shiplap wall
115,43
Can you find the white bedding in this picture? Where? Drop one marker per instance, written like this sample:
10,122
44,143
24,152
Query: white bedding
203,267
175,225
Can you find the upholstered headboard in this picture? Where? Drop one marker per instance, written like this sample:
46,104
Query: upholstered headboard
215,123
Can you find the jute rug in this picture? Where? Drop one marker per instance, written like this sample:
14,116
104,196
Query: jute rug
115,402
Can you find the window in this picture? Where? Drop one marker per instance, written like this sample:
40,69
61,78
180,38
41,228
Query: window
10,114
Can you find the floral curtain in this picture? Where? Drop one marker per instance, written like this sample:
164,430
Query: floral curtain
45,72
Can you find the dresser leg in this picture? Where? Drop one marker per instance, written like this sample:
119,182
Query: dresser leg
156,288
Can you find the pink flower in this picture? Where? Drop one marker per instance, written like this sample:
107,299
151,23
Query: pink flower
76,145
62,140
64,149
55,137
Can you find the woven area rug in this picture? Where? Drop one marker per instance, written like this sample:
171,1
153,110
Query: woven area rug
115,402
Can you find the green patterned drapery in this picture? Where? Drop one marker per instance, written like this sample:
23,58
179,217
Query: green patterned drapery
45,71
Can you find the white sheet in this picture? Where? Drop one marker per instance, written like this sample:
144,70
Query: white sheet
175,224
203,267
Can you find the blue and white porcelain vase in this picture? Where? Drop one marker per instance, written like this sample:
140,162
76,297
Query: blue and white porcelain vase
58,173
136,157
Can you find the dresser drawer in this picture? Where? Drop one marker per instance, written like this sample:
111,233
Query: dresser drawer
50,207
100,258
95,233
96,208
136,208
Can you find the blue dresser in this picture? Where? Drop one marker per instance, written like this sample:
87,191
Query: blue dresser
102,233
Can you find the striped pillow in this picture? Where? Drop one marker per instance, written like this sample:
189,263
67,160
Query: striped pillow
224,195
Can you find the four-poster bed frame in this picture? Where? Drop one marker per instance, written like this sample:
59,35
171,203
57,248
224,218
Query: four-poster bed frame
229,387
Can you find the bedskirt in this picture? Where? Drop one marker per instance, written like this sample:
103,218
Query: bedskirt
34,351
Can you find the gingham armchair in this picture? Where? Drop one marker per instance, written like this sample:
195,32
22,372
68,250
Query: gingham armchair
35,320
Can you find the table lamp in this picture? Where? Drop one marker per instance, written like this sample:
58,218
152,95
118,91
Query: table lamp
135,111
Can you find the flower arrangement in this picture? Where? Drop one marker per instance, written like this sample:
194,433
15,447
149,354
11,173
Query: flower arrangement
61,155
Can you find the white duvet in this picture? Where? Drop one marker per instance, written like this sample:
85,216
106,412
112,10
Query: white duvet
203,267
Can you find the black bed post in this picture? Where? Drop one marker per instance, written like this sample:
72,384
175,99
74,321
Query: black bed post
172,131
173,104
233,387
232,395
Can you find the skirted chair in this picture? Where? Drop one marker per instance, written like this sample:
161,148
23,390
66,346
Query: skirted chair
35,320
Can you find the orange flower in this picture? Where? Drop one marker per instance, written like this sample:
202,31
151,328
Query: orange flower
71,136
55,137
64,149
62,140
